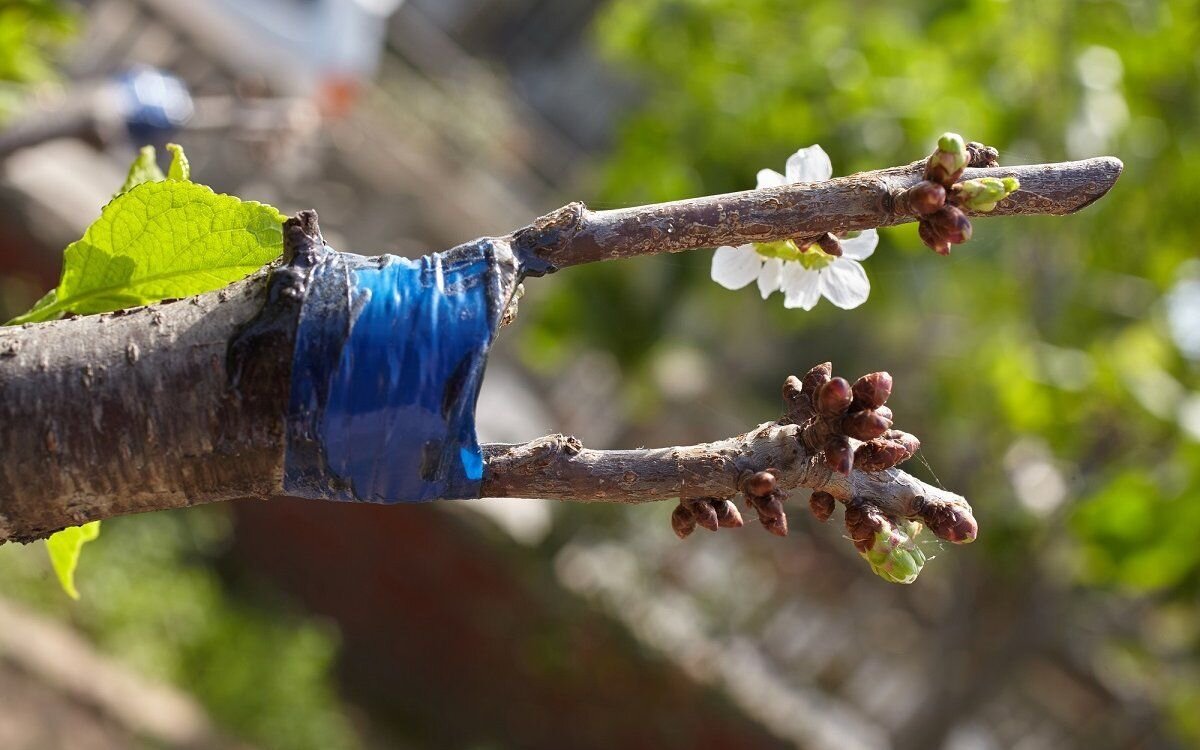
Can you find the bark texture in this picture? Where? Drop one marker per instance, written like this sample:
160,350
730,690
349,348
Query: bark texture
184,402
125,412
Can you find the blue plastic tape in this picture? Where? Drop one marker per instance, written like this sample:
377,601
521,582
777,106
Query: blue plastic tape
386,370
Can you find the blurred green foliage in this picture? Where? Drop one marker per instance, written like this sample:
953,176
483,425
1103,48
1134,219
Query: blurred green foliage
153,597
29,32
1035,363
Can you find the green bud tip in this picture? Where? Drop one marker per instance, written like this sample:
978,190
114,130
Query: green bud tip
893,555
953,143
984,193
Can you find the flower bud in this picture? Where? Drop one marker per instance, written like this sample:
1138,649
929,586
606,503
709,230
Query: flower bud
728,516
777,526
761,484
894,557
834,397
864,425
979,155
793,391
886,413
706,514
879,454
886,546
863,521
947,163
929,235
951,224
817,377
950,522
830,245
683,522
821,504
910,442
926,197
838,456
873,390
768,507
984,193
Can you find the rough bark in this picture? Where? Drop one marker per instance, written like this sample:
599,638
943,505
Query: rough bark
126,412
184,402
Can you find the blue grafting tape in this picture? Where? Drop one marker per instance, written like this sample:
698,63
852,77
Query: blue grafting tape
386,370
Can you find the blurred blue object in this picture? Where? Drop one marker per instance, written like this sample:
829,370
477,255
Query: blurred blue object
153,104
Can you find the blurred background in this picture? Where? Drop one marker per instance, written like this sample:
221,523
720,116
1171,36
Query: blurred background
1051,368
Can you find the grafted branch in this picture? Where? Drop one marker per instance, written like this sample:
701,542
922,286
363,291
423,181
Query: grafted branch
173,405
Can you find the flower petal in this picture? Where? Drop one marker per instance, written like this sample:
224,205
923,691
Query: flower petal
860,247
844,283
809,165
770,276
735,267
770,178
801,287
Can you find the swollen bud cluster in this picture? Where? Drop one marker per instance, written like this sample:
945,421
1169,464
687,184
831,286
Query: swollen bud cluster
887,545
845,426
764,495
849,426
939,202
709,513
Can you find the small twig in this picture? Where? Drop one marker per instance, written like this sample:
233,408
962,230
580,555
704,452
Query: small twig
574,234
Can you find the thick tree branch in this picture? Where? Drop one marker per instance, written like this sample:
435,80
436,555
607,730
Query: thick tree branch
176,404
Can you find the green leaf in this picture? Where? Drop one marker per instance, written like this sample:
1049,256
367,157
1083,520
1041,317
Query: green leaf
162,240
180,169
144,169
64,548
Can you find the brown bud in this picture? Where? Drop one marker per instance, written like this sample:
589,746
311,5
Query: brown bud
761,484
792,391
830,245
979,155
682,521
821,504
864,425
706,514
817,377
951,224
769,507
834,397
777,526
950,522
873,390
932,239
886,413
838,456
728,516
862,522
926,197
910,442
879,454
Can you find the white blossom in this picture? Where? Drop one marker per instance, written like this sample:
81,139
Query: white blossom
804,275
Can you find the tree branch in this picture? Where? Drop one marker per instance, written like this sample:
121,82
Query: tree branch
558,467
185,402
573,234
